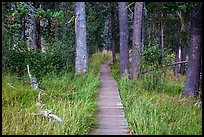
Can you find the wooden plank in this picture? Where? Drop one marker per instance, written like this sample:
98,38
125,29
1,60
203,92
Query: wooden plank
111,116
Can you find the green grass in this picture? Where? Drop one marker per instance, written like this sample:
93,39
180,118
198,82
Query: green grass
158,113
72,98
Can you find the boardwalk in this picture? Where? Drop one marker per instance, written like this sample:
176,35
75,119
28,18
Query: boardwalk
111,117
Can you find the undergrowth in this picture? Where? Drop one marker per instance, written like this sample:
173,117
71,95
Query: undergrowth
72,98
160,112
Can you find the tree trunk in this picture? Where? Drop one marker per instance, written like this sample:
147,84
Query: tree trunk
36,31
183,44
162,32
56,5
137,41
23,28
176,69
64,5
39,48
183,58
107,34
35,39
50,34
161,44
143,29
113,37
123,22
56,33
191,85
2,19
81,62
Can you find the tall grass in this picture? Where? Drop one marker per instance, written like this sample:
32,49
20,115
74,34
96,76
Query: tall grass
151,112
72,98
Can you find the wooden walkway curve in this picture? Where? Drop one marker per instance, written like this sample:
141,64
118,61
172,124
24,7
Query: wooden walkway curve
111,118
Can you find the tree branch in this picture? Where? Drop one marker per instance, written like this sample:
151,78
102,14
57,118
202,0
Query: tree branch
129,5
175,63
31,7
70,20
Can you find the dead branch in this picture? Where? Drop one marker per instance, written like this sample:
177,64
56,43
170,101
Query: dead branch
47,113
33,81
10,85
173,63
30,7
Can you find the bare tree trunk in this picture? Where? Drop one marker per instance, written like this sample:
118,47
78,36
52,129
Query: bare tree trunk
2,19
36,31
137,41
123,22
183,58
183,46
23,28
39,48
149,38
65,20
81,62
161,44
35,39
176,69
56,5
107,34
162,32
191,86
56,33
143,30
113,37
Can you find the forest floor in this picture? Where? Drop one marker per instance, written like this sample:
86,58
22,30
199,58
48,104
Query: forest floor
111,118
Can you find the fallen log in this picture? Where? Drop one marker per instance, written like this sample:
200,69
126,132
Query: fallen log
173,63
47,113
33,81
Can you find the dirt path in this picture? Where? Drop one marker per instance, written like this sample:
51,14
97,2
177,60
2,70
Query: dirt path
111,117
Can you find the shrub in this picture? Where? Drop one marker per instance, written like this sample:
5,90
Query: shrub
155,61
58,58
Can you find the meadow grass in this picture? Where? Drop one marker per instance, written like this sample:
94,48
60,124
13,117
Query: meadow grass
72,98
151,112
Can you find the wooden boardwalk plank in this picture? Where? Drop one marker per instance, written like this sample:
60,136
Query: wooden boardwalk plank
111,118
